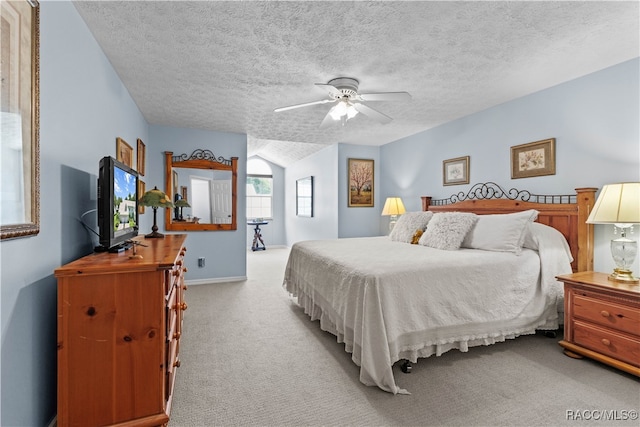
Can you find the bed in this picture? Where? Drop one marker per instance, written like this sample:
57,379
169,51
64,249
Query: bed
481,270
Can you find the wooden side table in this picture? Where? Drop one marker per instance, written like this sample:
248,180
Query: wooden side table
602,320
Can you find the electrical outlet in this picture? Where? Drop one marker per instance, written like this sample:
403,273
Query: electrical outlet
201,262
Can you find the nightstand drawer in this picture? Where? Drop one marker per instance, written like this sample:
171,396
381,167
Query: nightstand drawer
608,314
603,341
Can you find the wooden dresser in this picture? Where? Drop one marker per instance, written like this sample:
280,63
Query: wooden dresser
602,320
119,326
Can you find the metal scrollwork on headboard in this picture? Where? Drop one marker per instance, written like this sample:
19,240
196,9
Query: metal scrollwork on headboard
491,190
201,155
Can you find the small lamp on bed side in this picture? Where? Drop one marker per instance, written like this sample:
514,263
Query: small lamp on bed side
619,204
393,206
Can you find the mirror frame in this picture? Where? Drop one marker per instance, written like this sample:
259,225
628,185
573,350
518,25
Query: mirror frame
32,165
200,159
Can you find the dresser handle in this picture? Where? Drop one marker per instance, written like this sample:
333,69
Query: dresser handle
605,313
176,272
176,335
183,306
606,342
176,363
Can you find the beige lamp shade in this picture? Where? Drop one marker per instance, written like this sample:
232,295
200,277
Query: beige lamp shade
393,206
617,204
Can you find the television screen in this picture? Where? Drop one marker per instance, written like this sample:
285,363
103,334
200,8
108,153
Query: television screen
117,204
124,201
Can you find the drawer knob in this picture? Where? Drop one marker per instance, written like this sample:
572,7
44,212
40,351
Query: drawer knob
183,306
179,262
184,287
176,363
606,342
605,313
177,335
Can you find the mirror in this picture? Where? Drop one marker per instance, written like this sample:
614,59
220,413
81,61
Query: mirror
20,119
203,188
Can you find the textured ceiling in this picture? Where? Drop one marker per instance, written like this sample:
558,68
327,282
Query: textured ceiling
227,65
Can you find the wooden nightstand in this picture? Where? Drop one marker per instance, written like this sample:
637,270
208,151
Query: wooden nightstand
602,320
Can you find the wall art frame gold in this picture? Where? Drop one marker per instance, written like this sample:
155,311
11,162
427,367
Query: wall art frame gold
141,157
21,105
142,188
124,152
360,180
536,158
455,171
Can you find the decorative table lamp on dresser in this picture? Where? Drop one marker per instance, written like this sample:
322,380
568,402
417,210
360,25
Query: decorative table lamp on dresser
155,199
602,311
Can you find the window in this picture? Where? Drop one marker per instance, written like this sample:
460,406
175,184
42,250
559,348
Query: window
259,190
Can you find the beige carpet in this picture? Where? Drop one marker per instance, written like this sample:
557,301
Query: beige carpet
251,357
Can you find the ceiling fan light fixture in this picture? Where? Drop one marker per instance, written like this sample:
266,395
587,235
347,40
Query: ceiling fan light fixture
342,109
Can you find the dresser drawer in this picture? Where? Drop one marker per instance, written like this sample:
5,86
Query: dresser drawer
618,346
607,313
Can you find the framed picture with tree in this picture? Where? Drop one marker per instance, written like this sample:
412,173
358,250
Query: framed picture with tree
360,191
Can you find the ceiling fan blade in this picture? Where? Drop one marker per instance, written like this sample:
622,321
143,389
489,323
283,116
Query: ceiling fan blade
385,96
331,89
374,114
291,107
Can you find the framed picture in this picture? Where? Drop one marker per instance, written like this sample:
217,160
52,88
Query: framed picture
183,192
142,188
304,196
174,182
533,159
141,157
360,173
455,171
20,128
124,152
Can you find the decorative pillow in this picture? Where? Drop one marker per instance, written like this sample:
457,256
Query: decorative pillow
407,225
500,232
446,230
416,237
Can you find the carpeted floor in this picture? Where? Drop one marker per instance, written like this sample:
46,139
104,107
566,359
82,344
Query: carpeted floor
251,357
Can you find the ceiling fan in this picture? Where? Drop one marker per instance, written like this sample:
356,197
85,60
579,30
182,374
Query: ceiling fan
343,92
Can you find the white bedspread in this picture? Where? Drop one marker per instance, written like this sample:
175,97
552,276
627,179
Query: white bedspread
390,300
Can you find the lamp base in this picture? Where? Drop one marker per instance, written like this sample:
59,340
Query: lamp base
623,276
153,234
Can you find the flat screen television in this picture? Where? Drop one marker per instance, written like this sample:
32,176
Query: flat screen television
117,204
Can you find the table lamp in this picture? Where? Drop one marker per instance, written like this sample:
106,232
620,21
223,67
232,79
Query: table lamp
393,206
619,204
181,203
155,199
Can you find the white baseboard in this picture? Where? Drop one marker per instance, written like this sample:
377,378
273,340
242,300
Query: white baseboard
196,282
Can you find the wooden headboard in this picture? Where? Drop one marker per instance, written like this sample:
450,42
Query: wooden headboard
566,213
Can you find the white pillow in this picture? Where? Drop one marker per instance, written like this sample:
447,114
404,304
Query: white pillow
446,230
543,235
500,232
408,224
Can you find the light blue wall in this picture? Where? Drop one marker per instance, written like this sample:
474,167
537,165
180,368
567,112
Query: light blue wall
224,251
323,166
83,108
595,120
